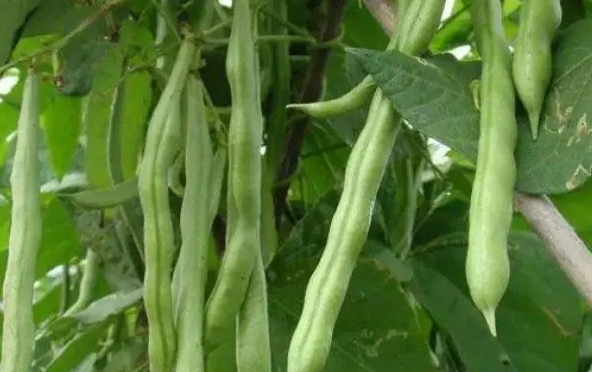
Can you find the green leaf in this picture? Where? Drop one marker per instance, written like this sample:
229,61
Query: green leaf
61,17
434,96
60,239
102,308
358,18
453,312
362,341
76,351
14,14
9,116
540,304
575,207
61,124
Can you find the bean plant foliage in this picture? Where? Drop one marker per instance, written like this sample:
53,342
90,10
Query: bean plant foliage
103,65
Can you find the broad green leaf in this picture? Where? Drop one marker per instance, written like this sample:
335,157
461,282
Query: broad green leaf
358,17
14,14
48,305
362,341
434,96
111,304
62,16
125,358
61,124
60,240
540,304
76,350
321,167
455,314
47,90
8,120
575,207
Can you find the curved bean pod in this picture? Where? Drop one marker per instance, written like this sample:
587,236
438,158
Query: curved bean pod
161,146
353,99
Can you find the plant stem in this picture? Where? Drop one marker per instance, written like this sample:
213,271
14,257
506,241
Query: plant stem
561,240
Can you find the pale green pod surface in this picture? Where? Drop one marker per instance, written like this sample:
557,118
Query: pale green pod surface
490,215
243,221
18,337
190,274
532,65
161,146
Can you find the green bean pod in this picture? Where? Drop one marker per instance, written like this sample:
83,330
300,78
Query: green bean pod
108,197
532,64
18,337
160,149
490,216
253,350
196,221
326,290
244,178
353,99
87,283
362,93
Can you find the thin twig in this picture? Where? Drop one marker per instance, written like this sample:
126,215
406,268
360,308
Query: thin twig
561,240
311,92
384,12
61,43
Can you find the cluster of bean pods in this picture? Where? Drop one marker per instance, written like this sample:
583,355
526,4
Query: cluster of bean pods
185,323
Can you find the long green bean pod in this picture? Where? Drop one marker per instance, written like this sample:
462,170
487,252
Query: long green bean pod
18,337
244,178
160,149
326,290
532,64
196,221
490,215
253,350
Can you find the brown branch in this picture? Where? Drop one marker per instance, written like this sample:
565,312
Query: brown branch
561,240
384,12
311,92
